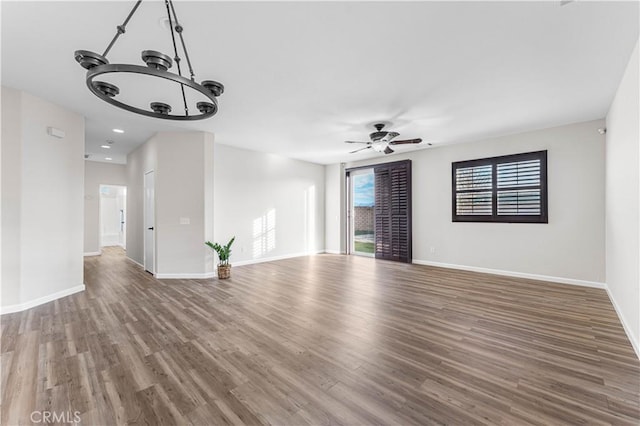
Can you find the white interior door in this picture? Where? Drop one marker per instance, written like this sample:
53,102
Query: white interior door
149,223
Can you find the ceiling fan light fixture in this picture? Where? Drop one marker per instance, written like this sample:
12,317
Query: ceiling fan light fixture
157,65
380,140
379,147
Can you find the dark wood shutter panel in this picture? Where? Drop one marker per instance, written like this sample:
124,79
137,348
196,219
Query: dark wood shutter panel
509,188
393,211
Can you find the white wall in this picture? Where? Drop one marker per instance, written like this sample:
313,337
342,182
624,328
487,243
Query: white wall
622,201
273,205
42,191
11,195
180,164
570,247
96,174
334,208
180,193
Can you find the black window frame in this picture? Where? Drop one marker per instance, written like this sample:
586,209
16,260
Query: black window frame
543,217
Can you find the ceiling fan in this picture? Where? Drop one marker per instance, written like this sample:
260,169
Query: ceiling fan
380,140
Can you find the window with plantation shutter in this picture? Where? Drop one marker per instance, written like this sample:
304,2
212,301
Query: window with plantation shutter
511,188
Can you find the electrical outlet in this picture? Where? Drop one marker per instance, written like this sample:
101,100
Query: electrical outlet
185,221
432,250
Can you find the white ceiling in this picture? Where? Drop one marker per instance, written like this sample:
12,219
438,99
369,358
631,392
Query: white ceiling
302,77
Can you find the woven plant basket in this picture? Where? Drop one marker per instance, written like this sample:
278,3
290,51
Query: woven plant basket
224,272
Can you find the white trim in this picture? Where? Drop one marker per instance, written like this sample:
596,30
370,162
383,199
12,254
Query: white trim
206,275
625,326
538,277
274,258
93,253
41,300
190,276
333,252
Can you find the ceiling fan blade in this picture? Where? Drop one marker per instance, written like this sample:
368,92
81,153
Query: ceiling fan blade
358,150
355,142
405,141
388,150
390,136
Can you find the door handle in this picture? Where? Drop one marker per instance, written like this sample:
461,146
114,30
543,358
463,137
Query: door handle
150,229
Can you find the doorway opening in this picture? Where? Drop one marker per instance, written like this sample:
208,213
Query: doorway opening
113,211
361,212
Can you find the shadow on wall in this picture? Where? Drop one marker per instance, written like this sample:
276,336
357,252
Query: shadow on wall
264,234
264,226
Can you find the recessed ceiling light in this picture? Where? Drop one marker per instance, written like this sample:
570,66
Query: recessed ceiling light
118,131
105,146
108,158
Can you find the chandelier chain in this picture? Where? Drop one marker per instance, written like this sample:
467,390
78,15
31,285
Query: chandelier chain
179,29
175,50
121,28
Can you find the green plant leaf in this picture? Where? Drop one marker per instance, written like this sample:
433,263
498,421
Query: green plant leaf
223,252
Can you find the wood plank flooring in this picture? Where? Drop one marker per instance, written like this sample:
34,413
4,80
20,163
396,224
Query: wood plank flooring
320,340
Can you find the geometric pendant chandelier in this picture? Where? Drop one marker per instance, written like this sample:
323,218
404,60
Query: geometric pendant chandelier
157,65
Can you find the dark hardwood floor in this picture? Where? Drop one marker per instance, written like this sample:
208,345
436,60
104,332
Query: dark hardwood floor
320,340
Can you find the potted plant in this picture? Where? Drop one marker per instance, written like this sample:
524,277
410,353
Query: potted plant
224,252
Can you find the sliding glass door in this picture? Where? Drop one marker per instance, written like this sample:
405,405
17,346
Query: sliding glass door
379,211
361,212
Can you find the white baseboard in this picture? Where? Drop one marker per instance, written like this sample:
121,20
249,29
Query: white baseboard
206,275
625,326
93,253
538,277
333,252
196,276
274,258
41,300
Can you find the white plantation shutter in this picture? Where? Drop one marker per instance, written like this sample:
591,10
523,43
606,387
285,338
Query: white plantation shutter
511,188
